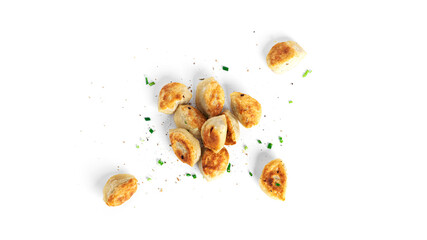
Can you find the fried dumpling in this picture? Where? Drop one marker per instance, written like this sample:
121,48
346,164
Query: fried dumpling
233,129
172,95
119,188
284,56
214,132
246,108
273,179
210,97
185,146
213,164
190,118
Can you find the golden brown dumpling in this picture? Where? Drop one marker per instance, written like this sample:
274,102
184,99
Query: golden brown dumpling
233,129
190,118
210,97
246,108
213,164
119,188
284,56
185,146
171,95
214,132
273,180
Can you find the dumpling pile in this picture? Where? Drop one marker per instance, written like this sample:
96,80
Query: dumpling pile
202,131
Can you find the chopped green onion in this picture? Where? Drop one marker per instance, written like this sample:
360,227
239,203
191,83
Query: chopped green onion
245,147
151,83
290,101
269,145
147,119
259,141
185,122
194,176
160,162
137,146
146,81
278,184
280,139
228,168
148,179
250,174
306,73
224,68
187,174
151,131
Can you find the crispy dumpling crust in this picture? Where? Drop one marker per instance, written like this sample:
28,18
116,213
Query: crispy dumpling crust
214,132
246,108
190,118
214,164
185,146
119,188
284,56
210,97
233,129
171,95
273,179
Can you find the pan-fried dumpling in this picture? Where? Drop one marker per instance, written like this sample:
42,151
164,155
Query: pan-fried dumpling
190,118
246,108
210,97
213,164
119,188
273,179
185,146
171,95
233,129
284,56
214,132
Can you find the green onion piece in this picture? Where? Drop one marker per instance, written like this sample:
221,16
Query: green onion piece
146,81
269,145
187,174
194,176
185,122
280,139
147,119
228,168
137,146
151,130
224,68
259,141
245,147
290,101
250,174
151,83
148,179
306,73
160,162
278,184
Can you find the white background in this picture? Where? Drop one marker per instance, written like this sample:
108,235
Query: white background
73,98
